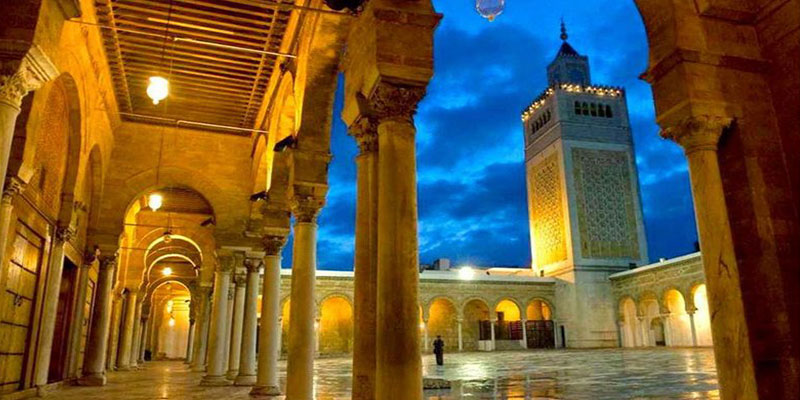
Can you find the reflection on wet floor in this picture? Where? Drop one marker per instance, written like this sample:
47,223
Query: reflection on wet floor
554,374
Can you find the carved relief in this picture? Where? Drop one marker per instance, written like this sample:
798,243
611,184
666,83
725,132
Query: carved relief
547,213
604,196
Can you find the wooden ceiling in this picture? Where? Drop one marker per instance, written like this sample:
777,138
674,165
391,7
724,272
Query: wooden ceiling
214,53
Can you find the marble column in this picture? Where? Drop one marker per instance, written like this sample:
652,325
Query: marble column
425,335
189,341
118,302
699,135
524,333
215,373
94,360
247,361
494,321
137,334
78,317
236,329
202,326
365,274
300,363
143,340
666,322
126,338
399,366
460,335
691,311
51,293
269,344
229,323
31,72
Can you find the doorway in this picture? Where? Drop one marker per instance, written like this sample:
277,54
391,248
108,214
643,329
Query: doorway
66,297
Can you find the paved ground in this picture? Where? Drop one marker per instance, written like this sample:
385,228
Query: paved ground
555,374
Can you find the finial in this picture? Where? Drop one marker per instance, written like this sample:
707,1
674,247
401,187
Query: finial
563,30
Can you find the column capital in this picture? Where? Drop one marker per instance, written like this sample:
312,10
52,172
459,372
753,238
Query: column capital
107,262
19,77
690,309
697,132
239,280
273,243
252,265
64,234
365,131
306,208
227,260
394,101
13,187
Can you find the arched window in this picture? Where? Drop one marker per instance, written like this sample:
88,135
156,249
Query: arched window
577,108
608,112
593,108
585,108
548,115
601,111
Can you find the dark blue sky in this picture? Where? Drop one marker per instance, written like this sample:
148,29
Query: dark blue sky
472,197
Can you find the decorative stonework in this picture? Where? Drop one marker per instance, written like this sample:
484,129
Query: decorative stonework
252,265
365,132
396,101
64,234
604,196
17,78
547,212
698,132
239,280
644,282
273,244
13,187
108,262
306,208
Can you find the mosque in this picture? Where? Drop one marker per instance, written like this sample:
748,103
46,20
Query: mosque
156,156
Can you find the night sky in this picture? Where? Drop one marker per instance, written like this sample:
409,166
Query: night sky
472,196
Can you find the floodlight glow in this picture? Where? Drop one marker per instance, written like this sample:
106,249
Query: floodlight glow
466,273
157,88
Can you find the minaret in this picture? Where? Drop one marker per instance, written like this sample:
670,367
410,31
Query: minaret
585,212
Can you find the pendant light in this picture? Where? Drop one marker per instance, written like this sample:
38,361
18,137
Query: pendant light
158,86
490,9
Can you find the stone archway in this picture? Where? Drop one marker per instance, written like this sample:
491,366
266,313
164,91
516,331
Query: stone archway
475,323
442,321
702,320
679,324
335,330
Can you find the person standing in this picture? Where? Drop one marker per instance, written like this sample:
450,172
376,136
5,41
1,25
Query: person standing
438,350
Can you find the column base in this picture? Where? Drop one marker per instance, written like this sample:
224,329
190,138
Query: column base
92,380
199,368
265,391
245,380
123,368
232,374
210,380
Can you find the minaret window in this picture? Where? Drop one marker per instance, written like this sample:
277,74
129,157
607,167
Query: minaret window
593,108
608,111
585,108
601,111
577,108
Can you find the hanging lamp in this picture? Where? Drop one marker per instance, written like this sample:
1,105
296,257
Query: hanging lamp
490,9
158,86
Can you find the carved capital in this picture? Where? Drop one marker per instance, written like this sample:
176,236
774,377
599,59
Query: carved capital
64,234
226,261
697,132
395,101
306,208
273,244
13,187
19,77
108,262
252,265
239,280
365,132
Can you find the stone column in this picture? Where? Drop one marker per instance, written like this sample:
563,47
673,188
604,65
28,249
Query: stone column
236,328
51,292
78,317
113,339
229,323
202,325
365,274
300,363
17,78
137,334
13,187
126,338
425,335
524,333
269,344
94,360
145,324
699,135
666,321
460,335
691,311
399,366
494,321
247,365
190,341
317,334
215,374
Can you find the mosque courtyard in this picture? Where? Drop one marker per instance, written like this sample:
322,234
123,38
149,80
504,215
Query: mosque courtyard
653,373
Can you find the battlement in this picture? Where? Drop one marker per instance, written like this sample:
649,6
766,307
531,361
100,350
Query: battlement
599,90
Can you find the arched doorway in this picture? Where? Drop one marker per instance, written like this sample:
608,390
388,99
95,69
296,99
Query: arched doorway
443,321
508,326
475,328
630,337
680,328
335,326
702,321
539,326
170,321
653,327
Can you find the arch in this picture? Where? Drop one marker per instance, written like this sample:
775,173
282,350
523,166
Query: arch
650,310
335,325
510,307
538,309
442,320
679,325
702,319
476,315
169,340
630,334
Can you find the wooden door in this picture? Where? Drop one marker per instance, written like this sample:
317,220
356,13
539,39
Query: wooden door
17,308
87,321
63,324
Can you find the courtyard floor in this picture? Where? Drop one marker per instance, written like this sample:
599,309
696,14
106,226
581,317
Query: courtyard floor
683,373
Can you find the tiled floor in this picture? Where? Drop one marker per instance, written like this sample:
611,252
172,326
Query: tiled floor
559,374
